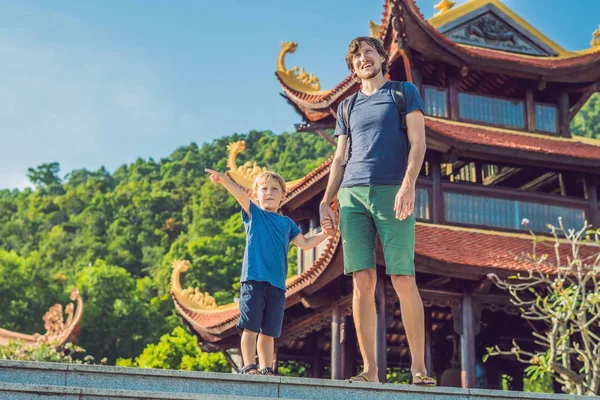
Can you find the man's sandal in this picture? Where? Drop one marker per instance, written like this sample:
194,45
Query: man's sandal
268,371
250,369
359,378
423,380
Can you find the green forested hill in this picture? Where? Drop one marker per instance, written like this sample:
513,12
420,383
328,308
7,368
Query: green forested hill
114,237
587,121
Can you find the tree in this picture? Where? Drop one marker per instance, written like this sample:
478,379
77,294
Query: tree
567,301
178,350
44,175
587,121
46,352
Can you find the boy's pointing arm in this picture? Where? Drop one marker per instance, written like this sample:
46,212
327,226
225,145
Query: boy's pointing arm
232,187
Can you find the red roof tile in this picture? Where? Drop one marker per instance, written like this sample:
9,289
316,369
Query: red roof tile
496,137
489,250
216,323
323,100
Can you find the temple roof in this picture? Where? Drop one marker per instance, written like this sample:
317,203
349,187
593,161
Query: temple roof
58,331
551,63
584,152
440,247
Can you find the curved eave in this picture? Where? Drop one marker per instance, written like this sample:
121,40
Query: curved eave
317,106
559,68
214,326
55,337
578,151
568,67
439,249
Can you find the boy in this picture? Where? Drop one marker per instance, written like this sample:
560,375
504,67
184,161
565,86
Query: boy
268,234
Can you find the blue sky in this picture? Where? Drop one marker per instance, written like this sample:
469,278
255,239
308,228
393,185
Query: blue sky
92,83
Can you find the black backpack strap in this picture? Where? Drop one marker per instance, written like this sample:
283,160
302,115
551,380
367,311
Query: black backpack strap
398,94
347,105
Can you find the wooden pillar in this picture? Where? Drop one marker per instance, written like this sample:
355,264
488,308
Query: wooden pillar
380,336
428,343
467,342
437,216
563,115
301,253
316,365
335,343
343,345
453,94
350,347
314,223
276,360
592,192
529,111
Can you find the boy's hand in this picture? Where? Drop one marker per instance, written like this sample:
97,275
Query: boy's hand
216,177
327,226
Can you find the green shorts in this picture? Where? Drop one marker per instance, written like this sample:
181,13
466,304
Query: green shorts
368,211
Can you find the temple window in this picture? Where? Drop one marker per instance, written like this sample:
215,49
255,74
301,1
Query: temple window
435,101
492,110
545,118
501,213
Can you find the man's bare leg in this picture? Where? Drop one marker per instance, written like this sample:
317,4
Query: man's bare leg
411,307
365,319
248,345
266,347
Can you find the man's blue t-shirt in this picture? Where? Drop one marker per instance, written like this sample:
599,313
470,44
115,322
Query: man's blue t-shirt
268,237
379,149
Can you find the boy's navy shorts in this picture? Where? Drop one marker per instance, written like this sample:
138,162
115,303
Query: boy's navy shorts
261,308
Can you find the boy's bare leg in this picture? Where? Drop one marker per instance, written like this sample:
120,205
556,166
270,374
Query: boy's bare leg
411,307
248,346
365,319
266,347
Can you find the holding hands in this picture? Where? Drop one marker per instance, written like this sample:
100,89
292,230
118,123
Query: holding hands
328,220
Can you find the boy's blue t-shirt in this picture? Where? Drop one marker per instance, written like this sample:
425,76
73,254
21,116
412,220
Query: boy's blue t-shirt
379,148
268,237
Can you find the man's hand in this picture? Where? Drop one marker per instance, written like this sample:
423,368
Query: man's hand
405,201
216,177
328,221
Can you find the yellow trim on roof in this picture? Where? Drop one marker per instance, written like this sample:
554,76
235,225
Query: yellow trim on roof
295,77
586,140
471,5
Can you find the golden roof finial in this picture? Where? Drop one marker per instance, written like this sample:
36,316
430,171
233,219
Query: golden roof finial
596,37
443,6
295,77
245,174
374,27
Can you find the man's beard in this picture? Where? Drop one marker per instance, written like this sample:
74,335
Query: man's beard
368,75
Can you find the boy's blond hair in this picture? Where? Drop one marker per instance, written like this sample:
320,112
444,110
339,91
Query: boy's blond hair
267,176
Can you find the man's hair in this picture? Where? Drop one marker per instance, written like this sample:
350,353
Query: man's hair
373,42
267,176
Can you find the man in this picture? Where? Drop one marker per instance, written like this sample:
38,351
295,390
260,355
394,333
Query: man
377,197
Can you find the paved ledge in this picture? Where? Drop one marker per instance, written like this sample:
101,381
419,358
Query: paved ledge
171,383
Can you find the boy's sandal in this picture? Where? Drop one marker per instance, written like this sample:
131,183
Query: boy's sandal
423,380
359,378
268,371
250,369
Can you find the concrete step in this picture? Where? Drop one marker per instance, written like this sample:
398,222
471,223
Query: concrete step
13,391
179,383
